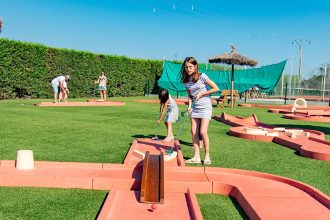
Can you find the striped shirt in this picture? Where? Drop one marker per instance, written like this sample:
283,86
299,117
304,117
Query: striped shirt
203,107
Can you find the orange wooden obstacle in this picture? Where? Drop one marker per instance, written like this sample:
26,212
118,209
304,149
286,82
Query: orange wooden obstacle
152,185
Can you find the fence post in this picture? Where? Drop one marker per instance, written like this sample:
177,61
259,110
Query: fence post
286,90
146,88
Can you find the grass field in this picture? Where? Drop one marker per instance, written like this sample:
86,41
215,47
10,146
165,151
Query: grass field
104,134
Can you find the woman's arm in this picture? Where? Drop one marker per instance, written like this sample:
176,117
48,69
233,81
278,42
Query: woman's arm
163,107
61,87
214,88
189,101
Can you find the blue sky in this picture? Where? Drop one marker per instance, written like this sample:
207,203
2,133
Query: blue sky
158,29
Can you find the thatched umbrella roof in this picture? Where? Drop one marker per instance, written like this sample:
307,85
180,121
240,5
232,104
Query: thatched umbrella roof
233,58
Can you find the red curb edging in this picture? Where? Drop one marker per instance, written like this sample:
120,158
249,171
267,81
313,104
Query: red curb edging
79,104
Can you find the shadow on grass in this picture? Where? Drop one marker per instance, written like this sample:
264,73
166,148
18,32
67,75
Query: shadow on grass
239,209
147,136
185,143
161,137
98,213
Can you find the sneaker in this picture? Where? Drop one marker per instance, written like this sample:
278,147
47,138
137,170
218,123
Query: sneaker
193,160
155,138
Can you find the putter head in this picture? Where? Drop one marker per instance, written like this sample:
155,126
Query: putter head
183,113
169,152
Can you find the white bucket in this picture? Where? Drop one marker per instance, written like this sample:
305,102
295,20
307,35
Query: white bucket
24,160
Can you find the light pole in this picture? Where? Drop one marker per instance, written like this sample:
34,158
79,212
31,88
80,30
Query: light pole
1,24
300,43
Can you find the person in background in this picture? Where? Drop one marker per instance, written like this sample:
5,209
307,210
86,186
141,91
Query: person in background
57,85
64,96
102,81
200,106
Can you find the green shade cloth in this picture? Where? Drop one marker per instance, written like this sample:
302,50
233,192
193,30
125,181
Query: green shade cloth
265,78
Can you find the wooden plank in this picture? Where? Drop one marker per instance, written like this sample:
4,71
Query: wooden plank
144,177
152,182
152,185
161,178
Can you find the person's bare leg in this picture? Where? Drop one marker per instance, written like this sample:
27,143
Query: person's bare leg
60,97
55,97
105,95
169,130
65,96
200,142
203,131
195,123
169,135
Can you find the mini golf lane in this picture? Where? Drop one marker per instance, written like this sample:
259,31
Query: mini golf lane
178,101
309,115
88,103
139,146
309,143
262,196
122,204
314,113
286,108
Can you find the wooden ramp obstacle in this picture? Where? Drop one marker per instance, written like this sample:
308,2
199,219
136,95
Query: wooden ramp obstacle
152,185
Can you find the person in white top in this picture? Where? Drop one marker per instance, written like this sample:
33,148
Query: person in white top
102,81
57,85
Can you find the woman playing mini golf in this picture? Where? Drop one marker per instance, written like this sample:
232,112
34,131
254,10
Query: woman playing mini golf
200,106
168,105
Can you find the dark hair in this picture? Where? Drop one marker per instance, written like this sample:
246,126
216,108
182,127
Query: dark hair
163,95
184,74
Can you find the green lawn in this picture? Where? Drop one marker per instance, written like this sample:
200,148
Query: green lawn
104,134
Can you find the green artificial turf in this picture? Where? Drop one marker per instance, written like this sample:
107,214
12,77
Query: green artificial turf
42,203
216,207
104,134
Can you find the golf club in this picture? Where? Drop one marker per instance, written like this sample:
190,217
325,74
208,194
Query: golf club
157,128
170,151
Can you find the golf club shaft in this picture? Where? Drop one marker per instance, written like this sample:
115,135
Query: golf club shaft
156,131
94,90
184,120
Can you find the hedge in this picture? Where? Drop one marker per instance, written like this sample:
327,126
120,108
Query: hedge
26,70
